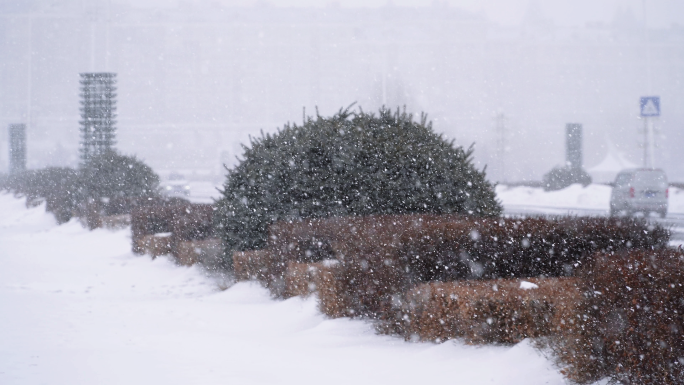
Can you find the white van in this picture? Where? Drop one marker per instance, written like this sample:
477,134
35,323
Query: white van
176,186
639,190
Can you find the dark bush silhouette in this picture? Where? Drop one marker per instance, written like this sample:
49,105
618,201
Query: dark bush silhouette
59,187
561,177
109,184
352,163
111,175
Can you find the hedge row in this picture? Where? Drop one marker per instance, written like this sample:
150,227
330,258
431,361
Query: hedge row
384,255
190,230
107,185
435,278
632,320
490,311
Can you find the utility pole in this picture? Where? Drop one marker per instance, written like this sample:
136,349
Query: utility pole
501,145
29,84
650,106
108,22
650,110
649,143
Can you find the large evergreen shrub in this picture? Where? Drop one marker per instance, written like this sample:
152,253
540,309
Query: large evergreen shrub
109,183
111,175
58,186
352,163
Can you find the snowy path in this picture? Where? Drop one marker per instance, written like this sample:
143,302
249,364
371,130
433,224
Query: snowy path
76,307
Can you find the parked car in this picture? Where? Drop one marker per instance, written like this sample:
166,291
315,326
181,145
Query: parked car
639,190
176,186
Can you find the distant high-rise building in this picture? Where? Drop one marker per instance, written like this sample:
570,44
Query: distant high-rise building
573,145
98,104
17,148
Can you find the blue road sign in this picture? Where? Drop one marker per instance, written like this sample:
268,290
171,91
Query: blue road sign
650,106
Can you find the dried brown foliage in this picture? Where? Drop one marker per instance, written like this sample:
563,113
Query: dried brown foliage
252,264
530,247
631,320
300,278
192,222
491,311
382,256
150,220
333,299
115,222
154,245
185,221
205,251
433,277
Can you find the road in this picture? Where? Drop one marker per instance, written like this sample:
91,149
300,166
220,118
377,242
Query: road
206,192
674,221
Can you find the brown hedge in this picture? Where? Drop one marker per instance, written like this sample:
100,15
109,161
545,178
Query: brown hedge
186,222
115,222
206,251
252,264
154,245
333,297
491,311
193,221
632,320
300,278
150,220
382,256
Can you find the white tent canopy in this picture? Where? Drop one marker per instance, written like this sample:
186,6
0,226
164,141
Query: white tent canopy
608,168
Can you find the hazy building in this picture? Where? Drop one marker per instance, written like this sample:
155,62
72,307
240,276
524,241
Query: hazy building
195,78
573,145
17,148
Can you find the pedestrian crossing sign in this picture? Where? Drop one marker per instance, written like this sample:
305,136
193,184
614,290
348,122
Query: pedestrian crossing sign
650,106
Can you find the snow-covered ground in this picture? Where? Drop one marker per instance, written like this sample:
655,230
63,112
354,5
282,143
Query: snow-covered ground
204,192
77,307
592,197
578,200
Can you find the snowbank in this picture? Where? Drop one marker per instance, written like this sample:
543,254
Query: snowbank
79,308
592,197
676,201
204,192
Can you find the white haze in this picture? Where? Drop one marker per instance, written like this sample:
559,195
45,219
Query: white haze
195,79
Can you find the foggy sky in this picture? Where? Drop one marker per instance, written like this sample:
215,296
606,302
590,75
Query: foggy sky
197,78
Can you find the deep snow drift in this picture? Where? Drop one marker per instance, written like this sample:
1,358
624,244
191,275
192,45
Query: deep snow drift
77,307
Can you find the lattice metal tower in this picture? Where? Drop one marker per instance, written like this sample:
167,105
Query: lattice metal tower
98,104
